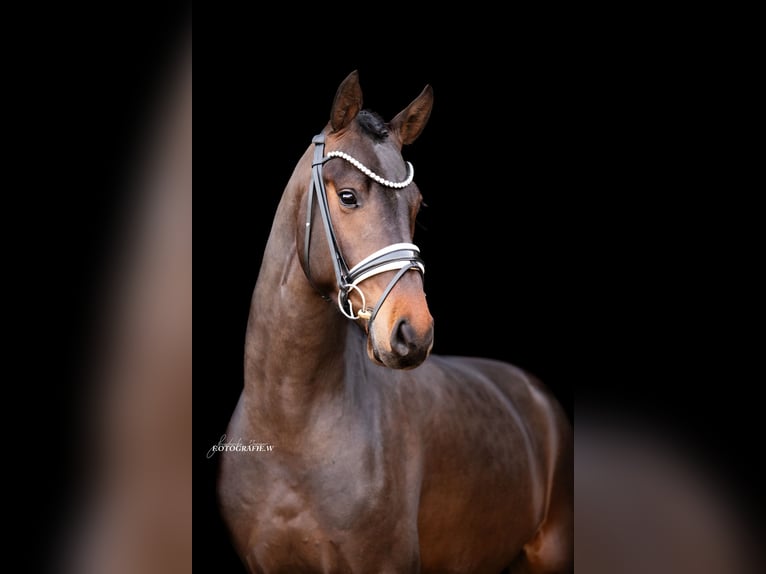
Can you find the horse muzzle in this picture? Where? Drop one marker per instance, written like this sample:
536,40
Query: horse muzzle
401,338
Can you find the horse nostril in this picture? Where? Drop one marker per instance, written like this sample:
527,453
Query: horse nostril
403,337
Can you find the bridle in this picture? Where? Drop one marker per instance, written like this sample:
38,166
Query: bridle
398,256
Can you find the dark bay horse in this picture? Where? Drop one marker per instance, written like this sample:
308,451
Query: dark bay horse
384,459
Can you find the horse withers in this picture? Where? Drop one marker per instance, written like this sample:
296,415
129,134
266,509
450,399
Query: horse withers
382,457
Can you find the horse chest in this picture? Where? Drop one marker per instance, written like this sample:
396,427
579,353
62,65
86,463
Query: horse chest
291,532
332,516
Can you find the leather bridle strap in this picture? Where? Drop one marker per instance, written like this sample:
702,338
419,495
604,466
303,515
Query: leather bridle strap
400,257
317,187
415,265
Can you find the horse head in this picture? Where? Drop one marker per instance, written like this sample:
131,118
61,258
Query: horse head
362,194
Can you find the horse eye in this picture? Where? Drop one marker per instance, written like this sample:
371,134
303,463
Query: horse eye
347,198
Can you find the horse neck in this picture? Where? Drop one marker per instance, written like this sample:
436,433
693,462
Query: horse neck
295,341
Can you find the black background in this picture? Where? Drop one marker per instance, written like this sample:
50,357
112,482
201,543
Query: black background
567,230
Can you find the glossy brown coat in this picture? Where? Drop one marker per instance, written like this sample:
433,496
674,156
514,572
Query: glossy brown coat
386,458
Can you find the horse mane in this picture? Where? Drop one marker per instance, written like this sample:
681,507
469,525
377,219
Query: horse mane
372,124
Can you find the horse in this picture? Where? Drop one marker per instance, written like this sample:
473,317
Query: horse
382,457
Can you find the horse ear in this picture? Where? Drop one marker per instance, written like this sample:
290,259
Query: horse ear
411,120
347,103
